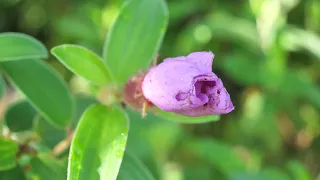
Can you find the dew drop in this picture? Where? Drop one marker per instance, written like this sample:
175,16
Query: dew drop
119,153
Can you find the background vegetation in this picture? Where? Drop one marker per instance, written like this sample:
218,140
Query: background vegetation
267,53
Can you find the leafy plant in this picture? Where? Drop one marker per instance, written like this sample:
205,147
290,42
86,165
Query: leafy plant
263,51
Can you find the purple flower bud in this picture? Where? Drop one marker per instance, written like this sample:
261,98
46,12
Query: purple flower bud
187,86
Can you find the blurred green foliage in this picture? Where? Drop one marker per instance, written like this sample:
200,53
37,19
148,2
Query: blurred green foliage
267,53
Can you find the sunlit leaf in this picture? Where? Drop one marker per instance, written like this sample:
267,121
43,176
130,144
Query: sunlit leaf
8,150
98,145
83,62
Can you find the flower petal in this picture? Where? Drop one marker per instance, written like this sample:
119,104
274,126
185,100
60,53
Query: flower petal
187,86
202,59
164,82
219,100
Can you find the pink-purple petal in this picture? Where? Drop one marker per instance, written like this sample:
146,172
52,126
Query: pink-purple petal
187,86
202,59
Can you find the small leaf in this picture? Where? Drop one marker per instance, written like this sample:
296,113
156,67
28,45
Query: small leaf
2,86
44,167
135,37
43,87
98,145
83,62
17,46
8,150
185,119
19,116
133,168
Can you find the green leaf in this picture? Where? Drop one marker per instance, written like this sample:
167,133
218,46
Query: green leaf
135,37
13,174
19,116
185,119
48,168
298,171
98,145
2,86
17,46
133,168
43,87
8,150
83,62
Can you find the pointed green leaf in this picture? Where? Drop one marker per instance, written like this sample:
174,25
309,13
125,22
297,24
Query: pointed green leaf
98,145
135,37
43,87
83,62
184,119
20,116
17,46
8,150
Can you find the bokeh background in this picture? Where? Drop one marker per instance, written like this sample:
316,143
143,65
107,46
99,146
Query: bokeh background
267,52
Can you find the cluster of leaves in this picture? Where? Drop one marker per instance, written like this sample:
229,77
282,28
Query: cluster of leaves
267,53
100,138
